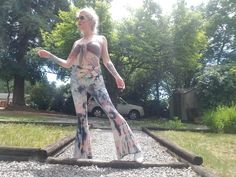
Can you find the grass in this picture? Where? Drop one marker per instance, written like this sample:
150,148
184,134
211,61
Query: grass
154,122
218,150
30,135
22,117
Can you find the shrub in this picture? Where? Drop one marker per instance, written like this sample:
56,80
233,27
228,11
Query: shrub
174,123
216,85
41,95
222,119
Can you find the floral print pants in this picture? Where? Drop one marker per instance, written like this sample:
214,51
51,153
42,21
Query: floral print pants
125,142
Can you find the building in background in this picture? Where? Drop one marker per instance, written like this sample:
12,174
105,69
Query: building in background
184,105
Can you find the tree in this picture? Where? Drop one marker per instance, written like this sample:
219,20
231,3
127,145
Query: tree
216,86
216,80
141,49
19,31
42,101
221,31
6,74
189,41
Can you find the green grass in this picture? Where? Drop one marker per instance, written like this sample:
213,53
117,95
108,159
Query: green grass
218,150
30,135
23,117
154,122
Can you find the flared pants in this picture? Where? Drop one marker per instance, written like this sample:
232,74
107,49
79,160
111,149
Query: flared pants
81,84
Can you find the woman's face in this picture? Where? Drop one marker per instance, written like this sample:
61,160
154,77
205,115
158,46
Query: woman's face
83,22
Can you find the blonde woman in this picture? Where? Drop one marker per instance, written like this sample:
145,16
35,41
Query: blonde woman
86,77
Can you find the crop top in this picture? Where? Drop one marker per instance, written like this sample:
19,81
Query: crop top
91,46
80,50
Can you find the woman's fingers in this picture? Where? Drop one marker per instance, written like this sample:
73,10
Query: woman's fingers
120,83
43,53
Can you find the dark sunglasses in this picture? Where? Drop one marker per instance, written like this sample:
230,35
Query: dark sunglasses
80,18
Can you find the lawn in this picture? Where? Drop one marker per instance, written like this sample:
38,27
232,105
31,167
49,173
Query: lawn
218,150
30,135
162,123
22,117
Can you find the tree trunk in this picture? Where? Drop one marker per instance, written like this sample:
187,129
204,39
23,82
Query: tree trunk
158,97
8,93
19,79
19,91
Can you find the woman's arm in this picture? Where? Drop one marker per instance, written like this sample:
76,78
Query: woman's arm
64,63
109,65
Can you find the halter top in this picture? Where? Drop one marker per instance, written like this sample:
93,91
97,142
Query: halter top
82,49
87,59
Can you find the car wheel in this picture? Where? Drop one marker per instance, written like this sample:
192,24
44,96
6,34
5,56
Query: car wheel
134,114
97,112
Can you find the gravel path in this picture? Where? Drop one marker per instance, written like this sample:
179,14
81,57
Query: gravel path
34,169
103,149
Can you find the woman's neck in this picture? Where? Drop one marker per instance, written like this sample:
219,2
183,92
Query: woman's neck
88,35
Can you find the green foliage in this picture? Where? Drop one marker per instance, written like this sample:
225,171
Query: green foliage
175,123
44,96
41,96
19,32
152,51
216,82
63,101
139,53
4,86
189,39
216,86
221,119
60,40
221,29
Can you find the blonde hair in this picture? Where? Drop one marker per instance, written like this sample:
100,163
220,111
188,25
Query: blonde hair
92,15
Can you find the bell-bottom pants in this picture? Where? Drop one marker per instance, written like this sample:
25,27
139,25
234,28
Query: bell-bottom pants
125,142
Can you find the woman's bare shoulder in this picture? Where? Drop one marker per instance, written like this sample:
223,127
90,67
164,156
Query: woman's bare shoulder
101,37
77,41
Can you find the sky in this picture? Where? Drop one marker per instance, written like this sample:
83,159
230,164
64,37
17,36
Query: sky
119,7
119,10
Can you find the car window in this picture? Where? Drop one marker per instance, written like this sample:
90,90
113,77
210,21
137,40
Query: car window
122,101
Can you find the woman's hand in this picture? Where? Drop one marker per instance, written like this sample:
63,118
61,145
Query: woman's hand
44,54
120,83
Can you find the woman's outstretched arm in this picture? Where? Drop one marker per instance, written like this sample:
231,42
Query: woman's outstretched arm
62,62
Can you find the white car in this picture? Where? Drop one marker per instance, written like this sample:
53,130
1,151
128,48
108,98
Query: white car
130,110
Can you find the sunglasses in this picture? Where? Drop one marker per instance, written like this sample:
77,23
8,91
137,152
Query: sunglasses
81,18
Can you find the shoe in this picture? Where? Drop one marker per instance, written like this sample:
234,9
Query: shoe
138,157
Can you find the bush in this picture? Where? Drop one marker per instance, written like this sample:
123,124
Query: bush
222,119
216,86
41,96
153,108
174,123
69,107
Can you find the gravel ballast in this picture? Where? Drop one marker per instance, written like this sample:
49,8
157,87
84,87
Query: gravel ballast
103,148
35,169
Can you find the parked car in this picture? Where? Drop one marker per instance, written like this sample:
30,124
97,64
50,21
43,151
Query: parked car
132,111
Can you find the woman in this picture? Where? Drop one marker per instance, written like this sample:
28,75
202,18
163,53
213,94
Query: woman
86,77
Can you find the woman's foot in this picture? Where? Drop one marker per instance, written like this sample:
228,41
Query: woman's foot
138,157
